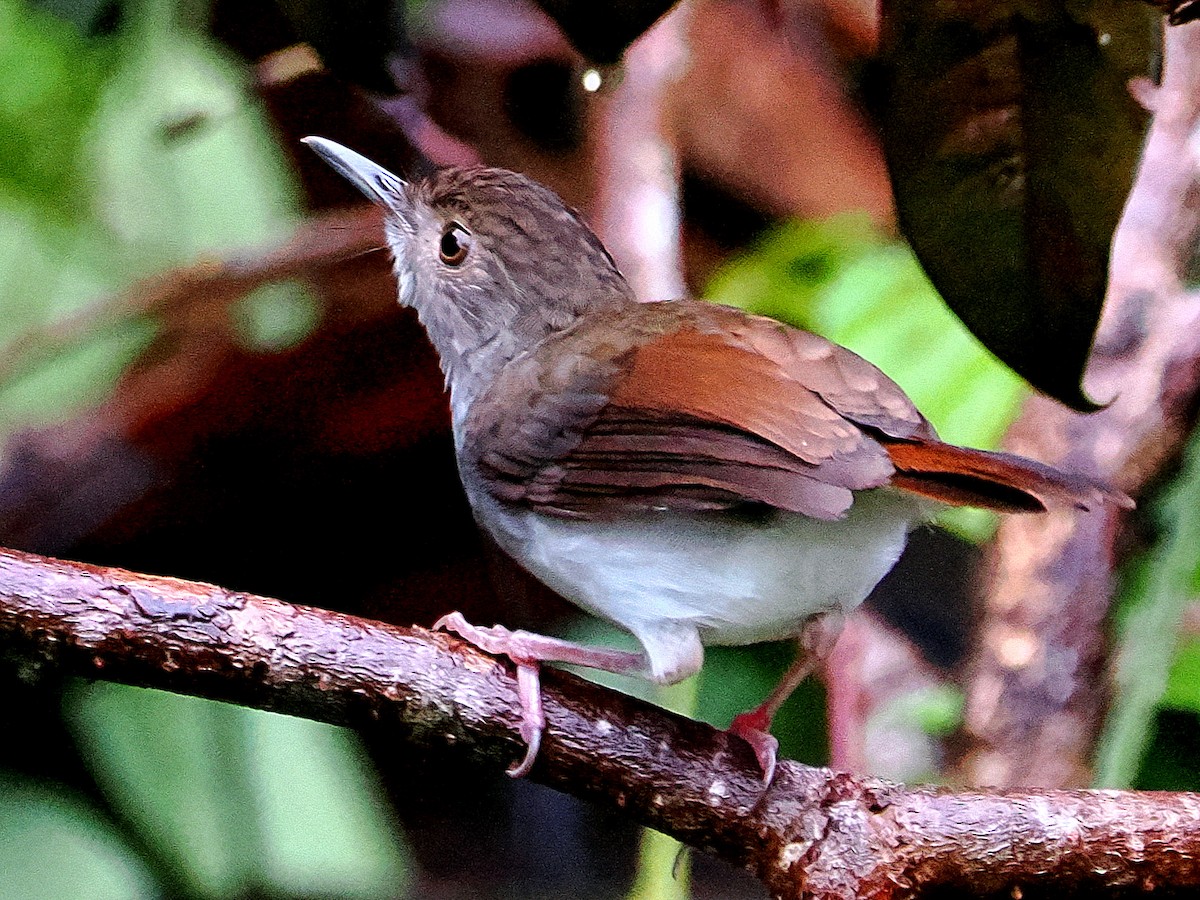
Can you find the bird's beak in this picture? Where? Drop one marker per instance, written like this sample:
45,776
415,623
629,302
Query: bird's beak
377,183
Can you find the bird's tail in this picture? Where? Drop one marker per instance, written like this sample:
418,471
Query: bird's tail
961,476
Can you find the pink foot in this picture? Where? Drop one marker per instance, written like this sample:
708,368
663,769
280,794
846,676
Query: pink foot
752,727
528,651
500,641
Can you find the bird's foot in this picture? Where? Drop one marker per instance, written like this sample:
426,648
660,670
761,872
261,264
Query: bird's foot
528,651
754,728
817,638
499,641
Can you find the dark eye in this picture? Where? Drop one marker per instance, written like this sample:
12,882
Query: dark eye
455,243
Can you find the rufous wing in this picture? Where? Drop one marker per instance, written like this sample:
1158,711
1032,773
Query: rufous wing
692,406
678,405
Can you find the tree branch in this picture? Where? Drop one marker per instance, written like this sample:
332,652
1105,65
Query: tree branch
205,290
1037,692
638,202
814,833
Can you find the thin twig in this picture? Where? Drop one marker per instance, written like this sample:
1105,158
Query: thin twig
208,287
638,203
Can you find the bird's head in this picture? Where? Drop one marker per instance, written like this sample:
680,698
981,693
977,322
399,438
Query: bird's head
492,261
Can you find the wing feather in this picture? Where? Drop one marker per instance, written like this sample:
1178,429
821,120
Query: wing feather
670,410
692,406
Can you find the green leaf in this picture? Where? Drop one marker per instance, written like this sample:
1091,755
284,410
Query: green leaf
840,279
1170,760
320,808
86,16
175,767
733,680
234,801
152,199
277,316
660,874
53,844
664,864
1183,682
1156,591
1012,139
223,186
935,710
77,379
50,84
664,870
738,679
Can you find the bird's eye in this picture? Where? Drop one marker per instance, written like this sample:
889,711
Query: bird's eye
455,244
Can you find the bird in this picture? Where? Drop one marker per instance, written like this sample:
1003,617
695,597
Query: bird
692,473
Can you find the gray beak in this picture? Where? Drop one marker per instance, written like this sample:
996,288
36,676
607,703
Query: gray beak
377,183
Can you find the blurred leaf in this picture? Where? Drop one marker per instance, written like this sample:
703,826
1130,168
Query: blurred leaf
733,680
1157,590
219,188
227,801
152,201
176,768
664,864
1172,760
321,812
50,84
603,31
277,316
53,844
1012,139
664,870
901,735
1183,682
234,801
76,380
840,279
660,875
88,17
738,679
935,710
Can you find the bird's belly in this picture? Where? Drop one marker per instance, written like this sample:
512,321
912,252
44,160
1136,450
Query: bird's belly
735,581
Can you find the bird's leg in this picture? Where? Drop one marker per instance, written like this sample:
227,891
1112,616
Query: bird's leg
816,639
527,651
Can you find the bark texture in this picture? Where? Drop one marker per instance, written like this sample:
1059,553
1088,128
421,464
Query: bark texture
814,833
1037,690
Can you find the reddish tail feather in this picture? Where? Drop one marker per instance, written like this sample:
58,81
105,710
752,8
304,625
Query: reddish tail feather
961,476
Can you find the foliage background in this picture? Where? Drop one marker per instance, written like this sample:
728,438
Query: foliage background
135,139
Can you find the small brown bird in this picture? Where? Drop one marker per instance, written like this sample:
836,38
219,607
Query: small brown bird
692,473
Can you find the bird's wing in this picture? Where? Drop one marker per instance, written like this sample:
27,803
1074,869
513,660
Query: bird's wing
693,406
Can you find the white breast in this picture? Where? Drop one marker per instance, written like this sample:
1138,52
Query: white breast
678,580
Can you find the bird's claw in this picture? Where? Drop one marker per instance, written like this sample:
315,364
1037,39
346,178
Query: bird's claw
533,716
750,728
498,641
